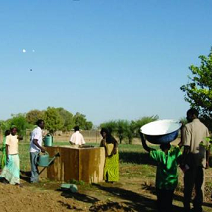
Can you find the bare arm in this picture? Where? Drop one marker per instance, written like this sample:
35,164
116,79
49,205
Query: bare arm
35,141
7,155
20,137
148,149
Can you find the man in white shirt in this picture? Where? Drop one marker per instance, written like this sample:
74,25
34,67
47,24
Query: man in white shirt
35,149
77,138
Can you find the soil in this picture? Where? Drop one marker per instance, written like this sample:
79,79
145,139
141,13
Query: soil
134,192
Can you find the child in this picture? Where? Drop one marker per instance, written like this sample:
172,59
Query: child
166,176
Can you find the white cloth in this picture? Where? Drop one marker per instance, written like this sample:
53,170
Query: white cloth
36,134
77,138
12,142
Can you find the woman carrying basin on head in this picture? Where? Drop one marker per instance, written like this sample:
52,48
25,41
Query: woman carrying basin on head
167,158
111,168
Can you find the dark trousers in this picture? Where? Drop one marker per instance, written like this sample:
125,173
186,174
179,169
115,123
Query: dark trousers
164,200
194,178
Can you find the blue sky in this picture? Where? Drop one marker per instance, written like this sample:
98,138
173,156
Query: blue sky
107,59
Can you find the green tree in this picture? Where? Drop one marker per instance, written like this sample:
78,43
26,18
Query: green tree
33,115
130,132
80,120
136,125
110,125
53,120
119,128
68,119
122,127
198,91
5,125
17,120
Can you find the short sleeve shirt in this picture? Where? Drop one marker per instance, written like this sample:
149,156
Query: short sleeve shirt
36,134
77,138
12,142
166,176
194,134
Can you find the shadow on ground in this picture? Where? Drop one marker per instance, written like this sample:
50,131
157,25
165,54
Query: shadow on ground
134,200
25,176
78,196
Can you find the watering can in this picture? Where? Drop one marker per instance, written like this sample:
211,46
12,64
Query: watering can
45,161
71,187
48,140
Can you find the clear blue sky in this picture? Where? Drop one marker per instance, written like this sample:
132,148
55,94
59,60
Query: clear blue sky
107,59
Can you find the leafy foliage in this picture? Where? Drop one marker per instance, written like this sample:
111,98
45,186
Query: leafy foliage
198,92
53,120
110,125
33,115
80,120
68,119
19,121
124,129
136,125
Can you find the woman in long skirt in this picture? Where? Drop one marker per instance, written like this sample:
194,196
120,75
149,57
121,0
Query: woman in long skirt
111,168
11,171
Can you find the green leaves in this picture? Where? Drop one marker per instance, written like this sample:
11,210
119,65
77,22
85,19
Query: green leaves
124,129
198,92
55,119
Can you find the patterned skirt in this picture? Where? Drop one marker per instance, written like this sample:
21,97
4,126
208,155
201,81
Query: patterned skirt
11,171
111,169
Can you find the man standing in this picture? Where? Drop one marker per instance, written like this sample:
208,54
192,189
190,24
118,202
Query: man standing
195,159
35,149
77,138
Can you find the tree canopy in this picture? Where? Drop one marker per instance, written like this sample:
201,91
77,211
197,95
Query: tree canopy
80,120
198,91
126,130
68,119
53,120
33,115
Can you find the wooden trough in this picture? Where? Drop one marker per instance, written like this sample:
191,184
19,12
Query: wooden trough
84,164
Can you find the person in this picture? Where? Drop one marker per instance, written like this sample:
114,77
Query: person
11,171
111,168
167,158
196,158
77,138
4,155
35,149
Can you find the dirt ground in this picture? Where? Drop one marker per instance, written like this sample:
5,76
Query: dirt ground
132,193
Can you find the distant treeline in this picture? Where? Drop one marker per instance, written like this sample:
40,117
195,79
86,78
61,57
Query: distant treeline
55,119
63,120
127,130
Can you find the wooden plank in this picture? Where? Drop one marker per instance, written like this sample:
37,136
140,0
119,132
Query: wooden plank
91,165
